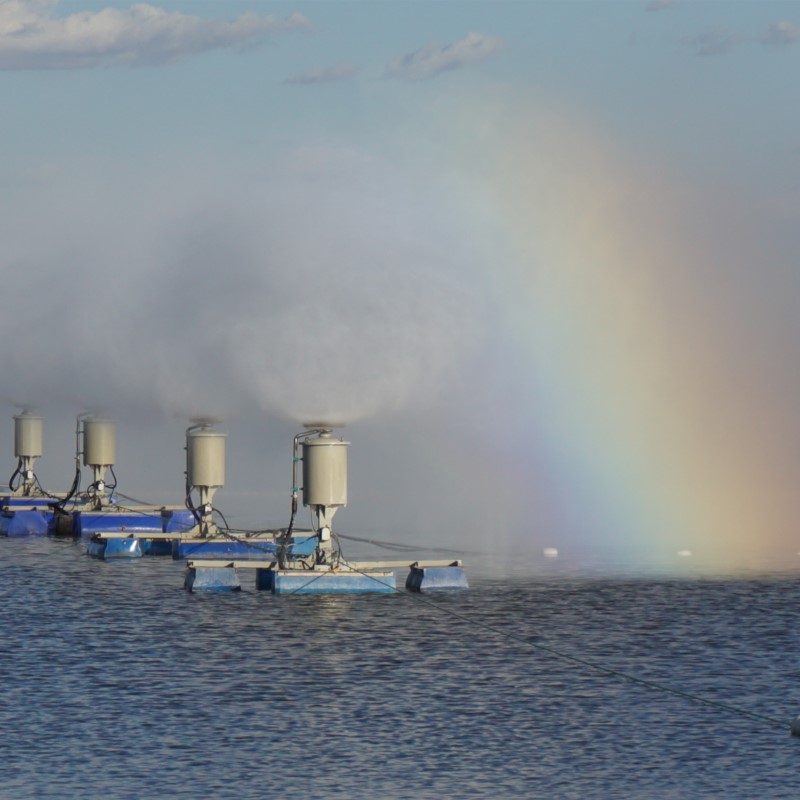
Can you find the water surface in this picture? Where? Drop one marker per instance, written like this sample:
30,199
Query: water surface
119,684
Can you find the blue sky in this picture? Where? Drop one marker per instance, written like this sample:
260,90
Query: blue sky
269,210
677,79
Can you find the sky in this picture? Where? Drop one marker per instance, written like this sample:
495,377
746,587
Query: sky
539,258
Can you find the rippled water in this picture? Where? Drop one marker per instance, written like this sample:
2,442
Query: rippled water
116,683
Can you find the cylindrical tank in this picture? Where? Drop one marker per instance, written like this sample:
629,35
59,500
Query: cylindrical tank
27,435
99,443
205,457
325,471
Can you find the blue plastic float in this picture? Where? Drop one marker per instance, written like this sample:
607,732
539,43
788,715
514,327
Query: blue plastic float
177,521
25,522
428,579
129,547
212,579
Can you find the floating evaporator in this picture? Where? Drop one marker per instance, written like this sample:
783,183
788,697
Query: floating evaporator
28,446
205,472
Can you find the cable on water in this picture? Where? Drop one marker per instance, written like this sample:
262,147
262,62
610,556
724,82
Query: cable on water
133,499
399,547
728,707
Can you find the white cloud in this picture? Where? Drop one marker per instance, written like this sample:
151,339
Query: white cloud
337,72
32,36
781,33
434,58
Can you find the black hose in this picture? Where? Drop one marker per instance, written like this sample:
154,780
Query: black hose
114,476
16,472
73,489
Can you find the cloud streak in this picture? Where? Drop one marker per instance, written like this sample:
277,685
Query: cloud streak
336,72
781,33
435,58
32,36
716,41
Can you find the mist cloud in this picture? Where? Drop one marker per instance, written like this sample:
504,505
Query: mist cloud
325,286
32,36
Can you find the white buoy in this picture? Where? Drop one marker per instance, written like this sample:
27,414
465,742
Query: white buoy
550,552
685,553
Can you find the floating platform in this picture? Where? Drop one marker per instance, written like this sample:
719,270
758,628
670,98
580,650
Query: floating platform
241,548
132,519
314,581
126,543
357,577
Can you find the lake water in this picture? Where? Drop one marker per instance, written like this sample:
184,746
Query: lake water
116,683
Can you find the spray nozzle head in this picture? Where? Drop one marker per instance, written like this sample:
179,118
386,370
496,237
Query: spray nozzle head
323,427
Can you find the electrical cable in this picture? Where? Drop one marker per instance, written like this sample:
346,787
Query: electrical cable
114,476
399,547
76,482
42,490
132,499
222,517
14,475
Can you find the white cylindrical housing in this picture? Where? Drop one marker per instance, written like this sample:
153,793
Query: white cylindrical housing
99,443
325,471
27,435
205,457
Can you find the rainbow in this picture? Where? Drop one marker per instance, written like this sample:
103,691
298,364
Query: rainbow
630,357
